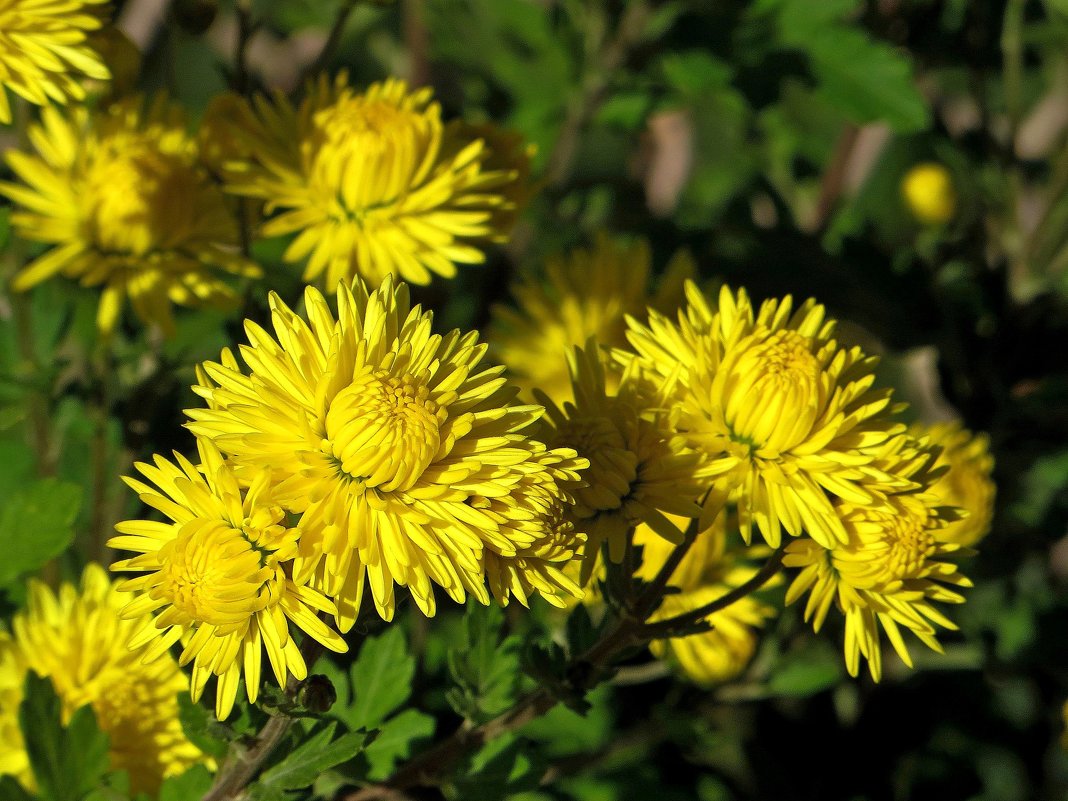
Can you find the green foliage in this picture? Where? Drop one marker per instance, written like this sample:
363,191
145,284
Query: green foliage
36,525
318,752
483,665
192,784
381,679
68,760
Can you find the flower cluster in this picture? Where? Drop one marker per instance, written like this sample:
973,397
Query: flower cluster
352,452
760,413
79,642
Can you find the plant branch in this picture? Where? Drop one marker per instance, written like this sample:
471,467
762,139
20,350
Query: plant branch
670,626
243,763
581,109
333,39
246,27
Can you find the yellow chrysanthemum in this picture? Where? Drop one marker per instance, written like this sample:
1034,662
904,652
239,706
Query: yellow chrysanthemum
394,444
218,577
638,473
888,572
787,420
587,293
375,183
79,641
121,196
706,573
966,483
44,50
538,509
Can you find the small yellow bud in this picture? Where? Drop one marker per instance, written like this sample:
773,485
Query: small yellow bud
929,194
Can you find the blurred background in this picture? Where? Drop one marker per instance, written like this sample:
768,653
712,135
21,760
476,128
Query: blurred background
904,161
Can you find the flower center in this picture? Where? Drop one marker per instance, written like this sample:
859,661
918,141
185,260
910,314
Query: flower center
212,574
369,153
384,431
773,391
138,198
613,466
910,545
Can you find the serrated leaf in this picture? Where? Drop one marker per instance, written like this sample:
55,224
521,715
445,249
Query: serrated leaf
395,740
48,509
190,785
317,754
485,668
69,761
381,679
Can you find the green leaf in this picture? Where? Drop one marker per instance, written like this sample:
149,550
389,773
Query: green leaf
694,71
36,525
485,668
501,769
395,740
805,672
201,727
317,754
381,679
190,785
11,790
864,79
67,762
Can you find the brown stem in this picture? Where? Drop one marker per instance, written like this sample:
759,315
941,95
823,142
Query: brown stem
652,596
243,763
246,27
239,771
333,39
672,625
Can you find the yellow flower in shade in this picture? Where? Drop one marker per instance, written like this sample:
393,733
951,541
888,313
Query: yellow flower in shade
395,445
80,642
375,183
585,293
120,196
929,193
638,473
787,420
966,483
44,50
707,572
537,508
893,565
217,577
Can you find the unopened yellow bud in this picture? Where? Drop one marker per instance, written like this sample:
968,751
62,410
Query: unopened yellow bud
929,193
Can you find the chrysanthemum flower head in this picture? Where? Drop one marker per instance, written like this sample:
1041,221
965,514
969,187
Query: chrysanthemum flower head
44,50
395,445
217,578
80,642
375,183
888,573
639,471
967,482
787,419
708,571
121,197
585,293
